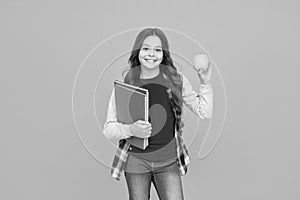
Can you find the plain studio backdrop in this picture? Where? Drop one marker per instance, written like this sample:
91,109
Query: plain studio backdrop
254,44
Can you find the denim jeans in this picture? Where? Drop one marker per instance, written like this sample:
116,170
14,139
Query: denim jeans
165,176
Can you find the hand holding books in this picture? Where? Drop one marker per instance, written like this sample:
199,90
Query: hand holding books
141,129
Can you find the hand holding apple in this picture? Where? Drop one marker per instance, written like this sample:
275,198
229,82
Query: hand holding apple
203,66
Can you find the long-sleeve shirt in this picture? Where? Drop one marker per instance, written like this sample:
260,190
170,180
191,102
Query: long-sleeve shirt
199,103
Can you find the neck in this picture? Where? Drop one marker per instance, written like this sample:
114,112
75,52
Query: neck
146,73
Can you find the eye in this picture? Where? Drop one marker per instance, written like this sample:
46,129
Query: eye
158,50
144,48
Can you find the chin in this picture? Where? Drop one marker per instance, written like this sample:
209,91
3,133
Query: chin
150,67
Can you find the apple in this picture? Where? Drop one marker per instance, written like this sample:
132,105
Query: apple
201,62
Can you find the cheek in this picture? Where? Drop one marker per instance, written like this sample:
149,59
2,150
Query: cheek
160,56
141,58
142,54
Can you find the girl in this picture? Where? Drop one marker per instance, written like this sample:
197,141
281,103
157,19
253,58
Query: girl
165,159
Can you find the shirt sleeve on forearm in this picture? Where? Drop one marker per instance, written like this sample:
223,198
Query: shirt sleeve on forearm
113,130
200,103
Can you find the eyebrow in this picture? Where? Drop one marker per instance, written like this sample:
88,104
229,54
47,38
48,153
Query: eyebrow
149,45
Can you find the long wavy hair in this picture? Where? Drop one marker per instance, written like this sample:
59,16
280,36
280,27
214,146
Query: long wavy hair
173,79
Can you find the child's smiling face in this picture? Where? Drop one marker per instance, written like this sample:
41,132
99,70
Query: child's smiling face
151,53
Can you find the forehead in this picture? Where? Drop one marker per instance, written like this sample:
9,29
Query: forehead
152,40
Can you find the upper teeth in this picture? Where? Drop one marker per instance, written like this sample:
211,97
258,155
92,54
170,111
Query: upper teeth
150,60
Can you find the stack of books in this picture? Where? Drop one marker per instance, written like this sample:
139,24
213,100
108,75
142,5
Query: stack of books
132,104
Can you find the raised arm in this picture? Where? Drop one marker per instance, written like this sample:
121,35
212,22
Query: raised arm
200,103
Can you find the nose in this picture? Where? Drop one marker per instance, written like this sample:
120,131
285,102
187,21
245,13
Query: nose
151,52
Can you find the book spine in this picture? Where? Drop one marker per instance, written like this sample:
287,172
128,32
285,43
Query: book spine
146,115
147,106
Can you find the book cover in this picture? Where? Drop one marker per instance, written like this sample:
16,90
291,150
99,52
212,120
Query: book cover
131,105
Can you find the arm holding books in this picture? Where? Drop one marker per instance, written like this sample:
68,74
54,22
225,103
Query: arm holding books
113,130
